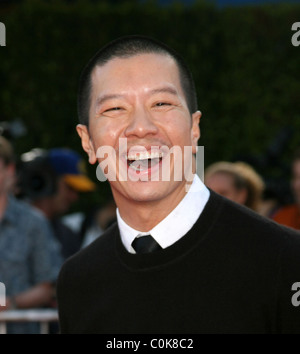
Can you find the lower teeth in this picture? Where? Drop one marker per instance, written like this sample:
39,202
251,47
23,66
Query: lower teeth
141,165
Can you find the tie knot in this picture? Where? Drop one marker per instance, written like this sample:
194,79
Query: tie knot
145,244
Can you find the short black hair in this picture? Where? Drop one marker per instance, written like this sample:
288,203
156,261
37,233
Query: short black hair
125,47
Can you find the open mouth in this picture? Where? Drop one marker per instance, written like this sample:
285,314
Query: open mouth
143,161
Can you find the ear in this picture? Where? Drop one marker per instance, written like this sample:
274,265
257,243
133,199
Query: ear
11,169
195,132
86,142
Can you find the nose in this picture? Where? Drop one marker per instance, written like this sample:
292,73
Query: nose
141,124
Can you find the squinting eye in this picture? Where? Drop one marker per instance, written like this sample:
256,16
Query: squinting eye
159,104
113,109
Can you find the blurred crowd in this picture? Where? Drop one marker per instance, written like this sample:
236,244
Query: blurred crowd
37,234
37,190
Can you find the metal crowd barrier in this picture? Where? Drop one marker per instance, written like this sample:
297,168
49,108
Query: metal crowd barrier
43,316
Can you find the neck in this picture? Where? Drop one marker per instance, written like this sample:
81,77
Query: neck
143,216
44,207
3,204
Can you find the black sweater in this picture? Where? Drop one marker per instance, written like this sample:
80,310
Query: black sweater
231,273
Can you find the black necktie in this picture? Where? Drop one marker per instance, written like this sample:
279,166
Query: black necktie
145,244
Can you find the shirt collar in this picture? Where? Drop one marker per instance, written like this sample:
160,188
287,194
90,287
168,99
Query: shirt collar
176,224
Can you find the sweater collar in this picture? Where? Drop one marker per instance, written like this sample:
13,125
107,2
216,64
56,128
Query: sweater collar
176,224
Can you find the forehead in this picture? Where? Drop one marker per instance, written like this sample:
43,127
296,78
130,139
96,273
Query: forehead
147,69
221,177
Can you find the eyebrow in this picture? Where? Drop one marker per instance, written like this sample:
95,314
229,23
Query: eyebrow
166,89
100,100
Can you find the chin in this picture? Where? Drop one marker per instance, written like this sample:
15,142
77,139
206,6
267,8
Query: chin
149,191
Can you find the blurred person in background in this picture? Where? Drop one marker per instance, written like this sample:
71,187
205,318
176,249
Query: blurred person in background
289,215
97,221
236,181
29,254
52,181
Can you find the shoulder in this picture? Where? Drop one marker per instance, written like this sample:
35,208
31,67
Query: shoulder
25,213
93,255
23,209
249,226
85,269
251,242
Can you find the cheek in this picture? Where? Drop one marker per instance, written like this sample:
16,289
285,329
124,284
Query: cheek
5,180
105,134
296,184
179,130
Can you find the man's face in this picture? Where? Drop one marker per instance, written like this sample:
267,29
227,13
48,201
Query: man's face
140,99
296,180
63,199
223,184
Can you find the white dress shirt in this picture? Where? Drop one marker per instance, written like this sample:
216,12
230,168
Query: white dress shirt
176,224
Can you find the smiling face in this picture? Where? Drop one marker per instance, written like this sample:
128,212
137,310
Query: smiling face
140,101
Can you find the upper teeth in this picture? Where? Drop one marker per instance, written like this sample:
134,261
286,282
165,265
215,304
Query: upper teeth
145,155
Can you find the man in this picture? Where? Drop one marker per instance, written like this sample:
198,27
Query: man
97,221
52,180
290,215
210,265
29,254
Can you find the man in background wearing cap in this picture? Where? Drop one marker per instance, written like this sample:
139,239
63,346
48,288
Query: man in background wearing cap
70,180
